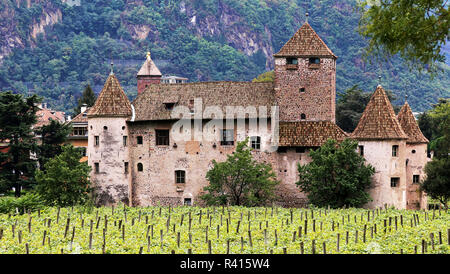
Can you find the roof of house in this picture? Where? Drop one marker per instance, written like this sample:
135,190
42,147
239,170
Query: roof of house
151,104
81,117
309,133
379,122
410,126
149,68
45,115
112,101
305,42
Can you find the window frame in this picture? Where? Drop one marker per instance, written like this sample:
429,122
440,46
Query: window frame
97,168
180,176
395,181
291,61
139,140
96,140
414,181
158,137
223,137
125,140
361,150
395,149
140,167
126,167
255,142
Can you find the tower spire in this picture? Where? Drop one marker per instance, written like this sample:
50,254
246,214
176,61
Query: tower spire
306,20
112,68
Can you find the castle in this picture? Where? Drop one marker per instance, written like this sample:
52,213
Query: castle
155,150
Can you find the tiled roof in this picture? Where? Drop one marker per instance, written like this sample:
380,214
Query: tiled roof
305,42
81,118
150,105
149,68
378,122
45,115
112,101
309,133
410,126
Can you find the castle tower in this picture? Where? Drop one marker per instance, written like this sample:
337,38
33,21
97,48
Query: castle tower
148,74
305,78
108,144
382,142
416,158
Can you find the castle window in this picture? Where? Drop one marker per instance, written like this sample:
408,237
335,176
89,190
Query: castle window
140,167
413,151
187,201
361,150
126,167
314,60
300,150
96,141
302,89
292,61
255,142
162,137
139,140
97,167
105,128
282,149
303,116
416,179
394,150
227,137
180,176
395,181
125,139
83,151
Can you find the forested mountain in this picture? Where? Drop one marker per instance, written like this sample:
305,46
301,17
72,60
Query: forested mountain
55,47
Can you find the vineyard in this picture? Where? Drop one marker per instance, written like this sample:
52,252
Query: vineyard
224,230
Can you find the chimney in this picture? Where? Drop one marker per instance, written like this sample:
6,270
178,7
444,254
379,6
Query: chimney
83,108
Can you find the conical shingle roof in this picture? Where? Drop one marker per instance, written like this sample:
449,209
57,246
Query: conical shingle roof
378,122
410,126
112,101
149,68
305,42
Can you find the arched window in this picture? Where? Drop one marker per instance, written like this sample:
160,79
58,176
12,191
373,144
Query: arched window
303,116
140,167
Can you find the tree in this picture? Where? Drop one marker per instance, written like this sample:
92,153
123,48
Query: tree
65,180
53,136
437,181
87,97
337,176
351,104
417,30
268,76
240,180
17,116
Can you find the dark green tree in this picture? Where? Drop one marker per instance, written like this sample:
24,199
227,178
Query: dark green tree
87,97
65,180
337,176
17,116
417,30
53,135
437,182
240,180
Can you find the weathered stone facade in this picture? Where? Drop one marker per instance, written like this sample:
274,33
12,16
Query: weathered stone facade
131,164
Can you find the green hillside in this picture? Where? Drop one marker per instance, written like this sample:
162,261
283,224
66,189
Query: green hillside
203,40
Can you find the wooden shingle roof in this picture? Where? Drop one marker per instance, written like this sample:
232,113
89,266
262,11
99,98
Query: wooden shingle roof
112,101
309,133
379,122
305,42
410,126
152,103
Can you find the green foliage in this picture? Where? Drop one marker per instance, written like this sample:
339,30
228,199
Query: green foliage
140,228
437,181
268,76
240,180
337,176
25,203
415,29
17,116
65,180
87,97
78,49
53,135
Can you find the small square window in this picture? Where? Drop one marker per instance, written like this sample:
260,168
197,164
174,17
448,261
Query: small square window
255,142
395,182
227,138
314,60
139,140
302,89
416,179
180,176
162,137
394,150
187,201
96,140
140,167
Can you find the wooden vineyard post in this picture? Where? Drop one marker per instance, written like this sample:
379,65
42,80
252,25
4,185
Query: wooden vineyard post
432,240
209,247
284,250
178,239
324,248
440,237
346,238
313,247
250,238
302,249
337,242
90,240
27,248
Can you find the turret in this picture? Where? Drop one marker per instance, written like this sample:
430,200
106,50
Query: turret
149,74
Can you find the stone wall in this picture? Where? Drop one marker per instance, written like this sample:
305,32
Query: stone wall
317,102
416,155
